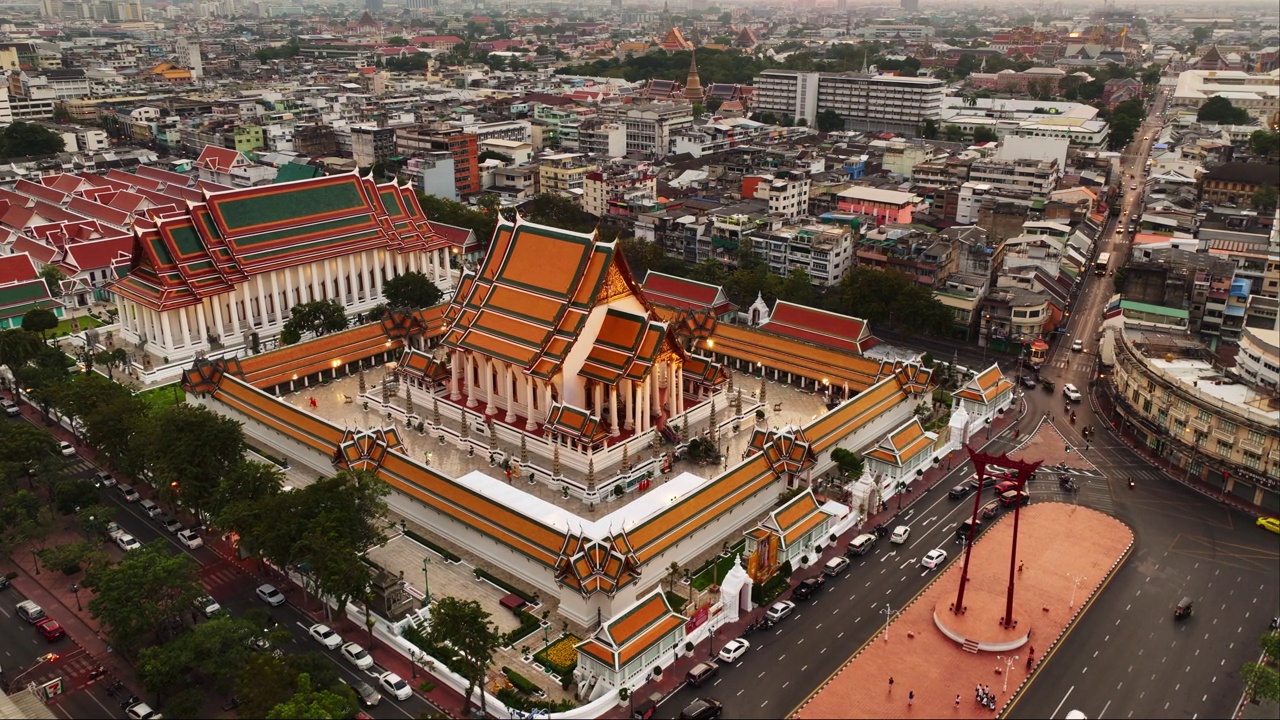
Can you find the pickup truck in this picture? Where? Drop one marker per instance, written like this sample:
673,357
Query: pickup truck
114,531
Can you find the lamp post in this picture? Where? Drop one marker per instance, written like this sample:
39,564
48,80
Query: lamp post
1008,661
888,617
48,657
35,559
426,581
1075,585
75,590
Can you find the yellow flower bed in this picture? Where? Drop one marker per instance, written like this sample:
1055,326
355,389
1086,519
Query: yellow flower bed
562,654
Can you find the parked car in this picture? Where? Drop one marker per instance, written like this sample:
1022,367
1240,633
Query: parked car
900,534
934,558
150,508
325,635
171,524
702,673
356,655
835,566
66,449
128,493
208,606
29,611
127,542
190,538
733,650
395,686
50,629
141,711
780,610
103,479
369,697
10,407
271,596
1269,523
808,587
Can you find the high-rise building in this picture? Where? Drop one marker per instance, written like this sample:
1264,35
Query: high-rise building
910,5
189,57
865,102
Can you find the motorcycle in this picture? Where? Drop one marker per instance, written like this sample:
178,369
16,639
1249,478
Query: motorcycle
1068,485
114,688
130,702
97,672
1073,418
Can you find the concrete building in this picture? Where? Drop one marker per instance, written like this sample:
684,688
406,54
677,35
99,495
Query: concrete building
1036,177
824,252
564,174
886,103
651,125
787,93
1258,93
618,192
888,206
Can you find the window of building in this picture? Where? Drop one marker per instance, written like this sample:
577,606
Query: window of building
1256,437
1224,448
1203,416
1228,427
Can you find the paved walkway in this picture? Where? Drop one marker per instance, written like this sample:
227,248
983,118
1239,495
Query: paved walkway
921,660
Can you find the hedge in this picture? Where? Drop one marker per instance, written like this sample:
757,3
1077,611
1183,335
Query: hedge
542,657
445,655
506,586
521,683
529,624
448,556
523,703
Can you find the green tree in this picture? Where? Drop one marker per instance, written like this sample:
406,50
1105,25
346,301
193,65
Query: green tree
465,626
929,130
310,703
39,320
266,681
984,135
189,450
412,290
829,121
23,446
93,520
53,278
1200,34
318,317
953,133
169,583
1264,143
238,505
848,463
1264,199
18,347
1218,109
74,493
1262,680
798,288
23,139
217,649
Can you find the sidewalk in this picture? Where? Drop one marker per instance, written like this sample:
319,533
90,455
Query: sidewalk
673,676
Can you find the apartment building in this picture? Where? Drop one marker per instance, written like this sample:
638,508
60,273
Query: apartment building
881,102
650,125
787,192
462,146
517,183
619,192
1171,396
601,137
372,145
787,93
565,174
825,252
1037,177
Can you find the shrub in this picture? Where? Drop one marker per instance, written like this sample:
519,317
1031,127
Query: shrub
443,654
529,624
427,686
560,657
481,572
448,556
523,703
520,682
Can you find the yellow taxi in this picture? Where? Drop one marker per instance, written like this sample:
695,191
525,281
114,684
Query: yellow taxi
1270,523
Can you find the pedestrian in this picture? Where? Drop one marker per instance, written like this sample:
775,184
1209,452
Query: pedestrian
957,701
1019,567
977,692
911,697
890,683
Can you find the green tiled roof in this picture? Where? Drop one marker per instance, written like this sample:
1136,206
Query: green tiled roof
17,299
295,171
1154,309
295,203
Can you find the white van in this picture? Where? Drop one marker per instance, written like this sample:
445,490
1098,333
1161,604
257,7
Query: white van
30,612
861,545
150,508
835,566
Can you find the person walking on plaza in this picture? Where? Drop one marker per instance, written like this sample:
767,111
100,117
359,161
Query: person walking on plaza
911,698
957,701
890,683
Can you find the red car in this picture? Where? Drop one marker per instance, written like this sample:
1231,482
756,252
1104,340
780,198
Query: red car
50,629
1006,486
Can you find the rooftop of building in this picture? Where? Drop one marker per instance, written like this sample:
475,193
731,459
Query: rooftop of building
1189,363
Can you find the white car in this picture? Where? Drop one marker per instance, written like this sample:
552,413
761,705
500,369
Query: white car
104,479
141,711
934,558
325,635
191,539
357,656
1071,393
733,650
1077,346
780,610
395,686
208,606
900,534
66,449
270,595
127,542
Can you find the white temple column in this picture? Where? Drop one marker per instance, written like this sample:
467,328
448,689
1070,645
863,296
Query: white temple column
166,334
613,411
216,303
144,324
399,263
472,400
315,282
446,276
235,314
629,400
546,403
509,377
276,306
455,369
490,407
346,288
202,324
678,373
365,281
672,389
184,322
529,423
642,400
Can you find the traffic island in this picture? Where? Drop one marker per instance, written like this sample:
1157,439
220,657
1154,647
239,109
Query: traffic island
928,655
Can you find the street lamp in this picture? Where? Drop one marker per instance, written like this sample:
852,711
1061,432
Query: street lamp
75,590
426,581
1075,585
35,559
888,617
1008,666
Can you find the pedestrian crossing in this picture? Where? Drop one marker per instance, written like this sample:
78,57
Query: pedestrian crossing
72,666
222,574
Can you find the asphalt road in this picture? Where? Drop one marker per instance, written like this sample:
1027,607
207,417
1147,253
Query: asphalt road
233,590
1126,657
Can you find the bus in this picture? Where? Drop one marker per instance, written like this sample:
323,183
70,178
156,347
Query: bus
1100,267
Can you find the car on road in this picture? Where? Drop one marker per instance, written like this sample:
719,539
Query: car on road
270,595
808,587
702,673
1070,392
128,493
990,510
835,566
395,686
780,610
900,534
1270,523
173,525
702,709
66,449
325,635
934,558
369,697
962,490
1005,486
733,650
141,711
1028,382
4,582
190,538
356,655
208,606
1021,497
50,629
1077,346
29,611
127,542
10,407
103,479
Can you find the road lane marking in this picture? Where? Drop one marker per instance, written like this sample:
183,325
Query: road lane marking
1062,702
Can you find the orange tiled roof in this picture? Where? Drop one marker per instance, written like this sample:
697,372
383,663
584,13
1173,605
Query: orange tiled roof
630,634
986,386
790,355
902,444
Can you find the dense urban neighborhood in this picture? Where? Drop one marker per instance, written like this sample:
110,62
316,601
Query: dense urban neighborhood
630,359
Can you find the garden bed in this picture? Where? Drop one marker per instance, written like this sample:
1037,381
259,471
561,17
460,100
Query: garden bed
714,570
527,597
561,656
448,556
